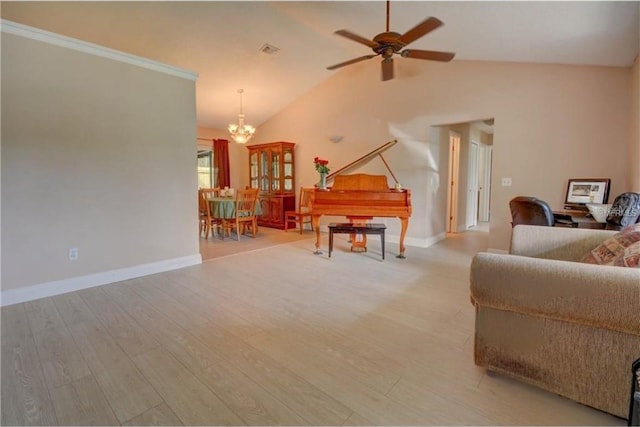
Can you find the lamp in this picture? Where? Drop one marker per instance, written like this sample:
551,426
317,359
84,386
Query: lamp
241,133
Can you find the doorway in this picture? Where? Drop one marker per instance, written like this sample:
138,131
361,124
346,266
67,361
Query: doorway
468,190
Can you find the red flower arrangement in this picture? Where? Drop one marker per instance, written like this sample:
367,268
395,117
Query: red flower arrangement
321,165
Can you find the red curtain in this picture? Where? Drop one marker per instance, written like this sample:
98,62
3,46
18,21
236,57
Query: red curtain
221,162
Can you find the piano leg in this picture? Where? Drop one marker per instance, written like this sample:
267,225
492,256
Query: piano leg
315,222
404,222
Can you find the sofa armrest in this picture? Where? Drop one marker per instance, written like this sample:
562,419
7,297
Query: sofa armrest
569,244
599,296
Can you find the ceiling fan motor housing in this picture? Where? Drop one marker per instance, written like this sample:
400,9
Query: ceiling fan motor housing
388,44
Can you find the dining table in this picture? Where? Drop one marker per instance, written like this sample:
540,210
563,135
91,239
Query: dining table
225,207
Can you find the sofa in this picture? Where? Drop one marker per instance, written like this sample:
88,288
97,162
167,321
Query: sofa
546,318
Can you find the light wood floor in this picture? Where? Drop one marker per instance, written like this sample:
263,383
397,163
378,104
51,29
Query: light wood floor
215,247
277,336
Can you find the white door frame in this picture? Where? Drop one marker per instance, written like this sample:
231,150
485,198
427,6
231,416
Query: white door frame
472,185
486,152
452,192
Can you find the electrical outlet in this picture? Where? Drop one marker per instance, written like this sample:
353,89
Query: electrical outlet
506,182
73,254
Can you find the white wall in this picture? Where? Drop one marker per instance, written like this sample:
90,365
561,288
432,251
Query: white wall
552,123
97,154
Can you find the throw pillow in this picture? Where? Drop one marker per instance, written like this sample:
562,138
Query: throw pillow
629,258
608,252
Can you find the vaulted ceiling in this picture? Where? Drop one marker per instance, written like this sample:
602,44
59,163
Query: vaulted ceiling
222,41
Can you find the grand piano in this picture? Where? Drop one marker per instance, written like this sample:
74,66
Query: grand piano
361,196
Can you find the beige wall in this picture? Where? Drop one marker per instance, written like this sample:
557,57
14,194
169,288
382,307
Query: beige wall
552,123
634,151
97,154
634,147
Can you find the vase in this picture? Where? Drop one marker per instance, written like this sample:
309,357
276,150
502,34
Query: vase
323,181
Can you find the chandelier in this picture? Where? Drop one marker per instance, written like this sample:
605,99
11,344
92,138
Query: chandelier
241,133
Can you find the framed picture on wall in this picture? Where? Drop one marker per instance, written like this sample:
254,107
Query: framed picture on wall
586,190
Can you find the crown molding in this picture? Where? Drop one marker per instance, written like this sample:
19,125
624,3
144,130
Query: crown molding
26,31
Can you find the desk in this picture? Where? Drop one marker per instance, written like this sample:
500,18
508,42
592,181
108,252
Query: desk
225,207
583,219
351,228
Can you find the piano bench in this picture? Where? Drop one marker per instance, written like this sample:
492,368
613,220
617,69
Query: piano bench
349,228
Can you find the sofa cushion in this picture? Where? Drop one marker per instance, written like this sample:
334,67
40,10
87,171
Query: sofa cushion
621,249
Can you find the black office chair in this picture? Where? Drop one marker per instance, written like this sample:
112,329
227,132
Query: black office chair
624,211
530,211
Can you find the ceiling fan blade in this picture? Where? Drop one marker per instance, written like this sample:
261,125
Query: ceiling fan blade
387,69
420,30
351,61
431,55
356,38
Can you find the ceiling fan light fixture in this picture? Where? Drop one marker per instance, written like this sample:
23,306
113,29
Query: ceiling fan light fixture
241,133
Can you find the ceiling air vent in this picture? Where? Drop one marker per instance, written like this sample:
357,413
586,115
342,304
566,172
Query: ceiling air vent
269,49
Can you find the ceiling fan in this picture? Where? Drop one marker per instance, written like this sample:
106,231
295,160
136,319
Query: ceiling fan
389,43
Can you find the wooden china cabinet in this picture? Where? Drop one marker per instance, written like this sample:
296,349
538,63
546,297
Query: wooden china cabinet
271,170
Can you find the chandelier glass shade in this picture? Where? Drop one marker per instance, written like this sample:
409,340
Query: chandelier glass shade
241,133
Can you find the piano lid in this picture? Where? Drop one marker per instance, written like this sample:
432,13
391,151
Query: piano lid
377,152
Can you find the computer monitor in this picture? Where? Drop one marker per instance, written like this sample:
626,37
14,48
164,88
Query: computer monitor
586,190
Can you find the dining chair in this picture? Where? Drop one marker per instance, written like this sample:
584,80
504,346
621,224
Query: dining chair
302,215
207,222
211,192
245,213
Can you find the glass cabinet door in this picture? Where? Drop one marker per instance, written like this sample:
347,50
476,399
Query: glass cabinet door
253,170
288,170
275,171
264,170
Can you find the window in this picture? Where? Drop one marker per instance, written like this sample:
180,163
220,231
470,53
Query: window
207,176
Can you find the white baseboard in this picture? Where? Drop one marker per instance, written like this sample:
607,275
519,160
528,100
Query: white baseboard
57,287
416,242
